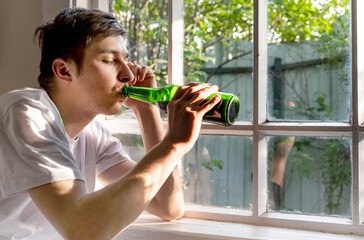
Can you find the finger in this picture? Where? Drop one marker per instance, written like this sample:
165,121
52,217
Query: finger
203,93
188,91
135,68
192,84
210,103
182,89
185,87
142,73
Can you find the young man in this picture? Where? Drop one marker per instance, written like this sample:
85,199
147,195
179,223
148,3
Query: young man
52,149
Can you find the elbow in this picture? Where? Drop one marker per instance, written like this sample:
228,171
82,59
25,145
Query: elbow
177,215
73,234
81,231
86,235
174,214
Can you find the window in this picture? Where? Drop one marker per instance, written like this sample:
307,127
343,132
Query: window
309,80
294,156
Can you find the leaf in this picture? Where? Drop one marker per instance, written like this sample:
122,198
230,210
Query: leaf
207,165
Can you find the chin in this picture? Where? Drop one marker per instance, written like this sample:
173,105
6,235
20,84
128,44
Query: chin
114,110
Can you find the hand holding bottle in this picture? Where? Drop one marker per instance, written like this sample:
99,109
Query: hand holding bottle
185,112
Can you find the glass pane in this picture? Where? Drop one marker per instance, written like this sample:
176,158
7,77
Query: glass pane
219,176
146,23
218,47
310,175
309,60
132,144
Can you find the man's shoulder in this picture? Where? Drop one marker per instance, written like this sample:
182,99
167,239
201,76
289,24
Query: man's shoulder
23,98
25,94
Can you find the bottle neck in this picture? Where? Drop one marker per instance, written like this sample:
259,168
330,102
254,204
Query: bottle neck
143,94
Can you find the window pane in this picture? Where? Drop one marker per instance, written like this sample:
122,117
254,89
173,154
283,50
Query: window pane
132,144
219,176
309,60
146,23
211,176
218,47
310,175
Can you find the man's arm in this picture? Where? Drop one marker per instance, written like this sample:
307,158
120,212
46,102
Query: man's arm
104,213
169,202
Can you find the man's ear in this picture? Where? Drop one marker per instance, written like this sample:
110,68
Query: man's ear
61,70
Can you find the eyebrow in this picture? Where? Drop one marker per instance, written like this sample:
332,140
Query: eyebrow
115,52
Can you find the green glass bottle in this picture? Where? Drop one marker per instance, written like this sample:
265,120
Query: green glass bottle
223,113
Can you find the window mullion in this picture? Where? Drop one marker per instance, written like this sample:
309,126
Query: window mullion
358,57
358,111
259,106
175,41
80,3
103,5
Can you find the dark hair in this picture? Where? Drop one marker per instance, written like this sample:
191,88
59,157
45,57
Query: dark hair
67,37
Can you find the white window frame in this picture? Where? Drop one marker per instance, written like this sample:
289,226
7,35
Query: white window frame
260,128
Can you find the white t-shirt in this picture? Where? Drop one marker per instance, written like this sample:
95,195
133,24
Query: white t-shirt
35,150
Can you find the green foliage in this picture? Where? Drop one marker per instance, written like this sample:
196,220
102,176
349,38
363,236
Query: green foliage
213,163
331,157
316,111
302,20
146,23
208,23
322,23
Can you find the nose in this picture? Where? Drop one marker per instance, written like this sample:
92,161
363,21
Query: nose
125,75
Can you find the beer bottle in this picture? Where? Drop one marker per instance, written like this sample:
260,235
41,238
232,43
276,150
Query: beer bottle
223,113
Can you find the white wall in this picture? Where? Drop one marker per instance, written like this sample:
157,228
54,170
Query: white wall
19,54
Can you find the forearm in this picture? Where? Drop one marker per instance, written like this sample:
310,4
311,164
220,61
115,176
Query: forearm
154,183
150,123
168,202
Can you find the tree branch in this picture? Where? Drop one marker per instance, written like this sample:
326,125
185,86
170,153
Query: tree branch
226,62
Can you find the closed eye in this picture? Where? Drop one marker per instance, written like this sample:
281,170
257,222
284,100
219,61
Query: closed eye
108,61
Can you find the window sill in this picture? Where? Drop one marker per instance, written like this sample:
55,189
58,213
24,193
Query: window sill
150,227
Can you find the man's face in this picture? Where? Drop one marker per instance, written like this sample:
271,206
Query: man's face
104,72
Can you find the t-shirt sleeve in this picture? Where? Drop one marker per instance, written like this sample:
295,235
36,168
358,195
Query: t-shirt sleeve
110,150
33,149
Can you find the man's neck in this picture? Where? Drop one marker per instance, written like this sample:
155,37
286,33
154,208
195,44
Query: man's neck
75,118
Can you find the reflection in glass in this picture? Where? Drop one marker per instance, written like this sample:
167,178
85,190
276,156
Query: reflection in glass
218,47
309,60
218,172
310,175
